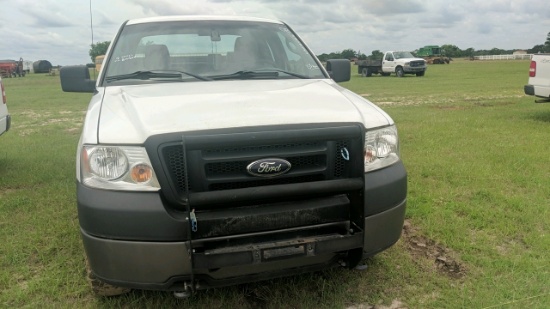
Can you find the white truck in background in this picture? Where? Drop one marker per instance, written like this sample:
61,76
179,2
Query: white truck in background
398,62
5,119
539,78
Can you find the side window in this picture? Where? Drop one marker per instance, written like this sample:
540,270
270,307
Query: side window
389,57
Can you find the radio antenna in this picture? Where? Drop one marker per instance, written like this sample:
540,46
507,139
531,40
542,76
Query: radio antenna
92,30
91,22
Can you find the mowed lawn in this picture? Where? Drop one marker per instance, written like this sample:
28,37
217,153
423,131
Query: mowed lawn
477,234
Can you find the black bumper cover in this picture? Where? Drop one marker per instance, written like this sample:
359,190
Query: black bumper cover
134,240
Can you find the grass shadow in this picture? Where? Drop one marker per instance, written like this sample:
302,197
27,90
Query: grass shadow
543,116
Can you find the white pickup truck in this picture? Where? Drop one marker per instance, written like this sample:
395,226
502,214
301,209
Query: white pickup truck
398,62
539,78
218,150
5,119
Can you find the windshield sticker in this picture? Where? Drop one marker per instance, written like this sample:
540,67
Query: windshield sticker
124,58
312,66
284,29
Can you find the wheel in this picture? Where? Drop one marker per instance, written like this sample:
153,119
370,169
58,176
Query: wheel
366,72
101,288
399,72
420,73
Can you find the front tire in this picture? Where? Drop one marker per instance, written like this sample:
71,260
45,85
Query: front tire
399,72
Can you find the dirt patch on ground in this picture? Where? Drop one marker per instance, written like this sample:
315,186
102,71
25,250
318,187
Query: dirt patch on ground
395,304
443,259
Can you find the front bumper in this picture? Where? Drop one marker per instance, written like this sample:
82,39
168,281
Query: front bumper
133,240
409,69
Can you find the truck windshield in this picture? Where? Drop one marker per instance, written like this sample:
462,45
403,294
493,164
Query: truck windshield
399,55
208,50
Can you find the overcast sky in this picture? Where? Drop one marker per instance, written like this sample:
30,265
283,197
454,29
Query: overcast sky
59,30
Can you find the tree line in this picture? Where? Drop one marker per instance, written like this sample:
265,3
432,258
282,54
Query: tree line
448,50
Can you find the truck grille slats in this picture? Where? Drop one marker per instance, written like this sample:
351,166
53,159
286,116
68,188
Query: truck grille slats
219,162
233,174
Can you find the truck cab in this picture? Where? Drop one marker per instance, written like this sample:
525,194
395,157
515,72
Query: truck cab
5,118
403,62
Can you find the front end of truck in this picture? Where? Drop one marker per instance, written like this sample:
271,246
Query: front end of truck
195,179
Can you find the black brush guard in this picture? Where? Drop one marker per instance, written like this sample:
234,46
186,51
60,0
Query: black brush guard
316,208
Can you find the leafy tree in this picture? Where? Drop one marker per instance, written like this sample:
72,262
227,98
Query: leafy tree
376,55
348,53
98,49
537,49
497,51
450,50
468,52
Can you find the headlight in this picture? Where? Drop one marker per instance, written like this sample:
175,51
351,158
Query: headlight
117,168
381,148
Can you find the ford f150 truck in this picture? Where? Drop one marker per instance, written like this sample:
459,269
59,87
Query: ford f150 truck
539,78
5,119
218,150
400,63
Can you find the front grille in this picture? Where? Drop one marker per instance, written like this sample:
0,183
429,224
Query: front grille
417,63
229,170
173,156
219,162
265,182
239,167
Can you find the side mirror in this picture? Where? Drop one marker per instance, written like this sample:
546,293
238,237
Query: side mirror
76,78
339,69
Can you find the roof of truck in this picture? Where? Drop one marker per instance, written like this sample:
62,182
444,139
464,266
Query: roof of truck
199,17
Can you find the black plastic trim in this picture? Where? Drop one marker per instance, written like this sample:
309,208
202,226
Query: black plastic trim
385,188
128,215
529,89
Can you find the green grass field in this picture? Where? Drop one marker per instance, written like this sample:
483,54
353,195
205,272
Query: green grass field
477,235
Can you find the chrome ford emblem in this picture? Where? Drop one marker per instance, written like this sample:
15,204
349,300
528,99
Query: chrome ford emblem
270,167
345,153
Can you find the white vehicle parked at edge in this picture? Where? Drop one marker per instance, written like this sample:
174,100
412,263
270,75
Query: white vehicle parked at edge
5,119
539,78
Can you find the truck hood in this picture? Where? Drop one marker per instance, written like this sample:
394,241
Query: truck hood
130,114
410,59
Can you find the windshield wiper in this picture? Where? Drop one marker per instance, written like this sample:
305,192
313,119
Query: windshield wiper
247,74
285,72
144,75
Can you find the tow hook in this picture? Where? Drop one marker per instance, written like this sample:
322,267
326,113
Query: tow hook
185,293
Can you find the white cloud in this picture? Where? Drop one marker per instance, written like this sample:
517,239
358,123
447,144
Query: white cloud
59,30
